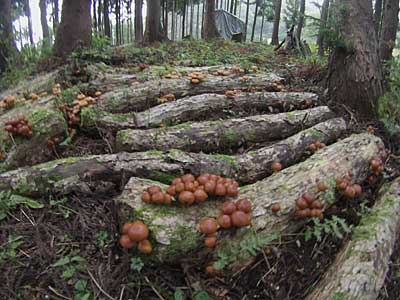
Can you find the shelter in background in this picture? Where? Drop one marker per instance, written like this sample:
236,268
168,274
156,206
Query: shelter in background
229,26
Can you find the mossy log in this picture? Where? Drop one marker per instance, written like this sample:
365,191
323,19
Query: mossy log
105,173
360,268
220,136
200,107
174,230
19,151
145,95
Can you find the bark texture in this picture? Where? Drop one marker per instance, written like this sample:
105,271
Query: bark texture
277,18
355,72
138,21
378,16
43,21
221,136
105,173
153,22
300,25
139,98
360,269
198,107
210,28
322,27
75,30
175,229
390,23
7,44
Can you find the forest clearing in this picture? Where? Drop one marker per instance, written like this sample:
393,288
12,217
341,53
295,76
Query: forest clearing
139,160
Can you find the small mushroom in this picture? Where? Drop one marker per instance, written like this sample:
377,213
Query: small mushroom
208,226
138,231
145,247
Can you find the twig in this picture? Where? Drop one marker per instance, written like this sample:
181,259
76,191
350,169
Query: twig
29,219
122,292
99,287
153,288
58,294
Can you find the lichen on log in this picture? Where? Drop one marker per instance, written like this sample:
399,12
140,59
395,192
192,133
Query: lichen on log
360,268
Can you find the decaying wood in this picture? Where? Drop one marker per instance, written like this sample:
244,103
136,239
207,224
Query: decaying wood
105,173
360,269
145,95
219,136
200,107
175,229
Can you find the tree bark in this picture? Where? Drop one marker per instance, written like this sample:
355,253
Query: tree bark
247,17
143,97
75,29
262,28
254,22
191,18
175,231
99,15
355,72
29,16
322,27
43,21
94,15
300,24
210,27
8,49
153,25
378,16
390,23
105,173
138,21
277,18
56,15
197,108
184,19
221,136
360,268
106,18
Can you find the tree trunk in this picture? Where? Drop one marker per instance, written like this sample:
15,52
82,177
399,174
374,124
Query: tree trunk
254,22
43,21
191,18
29,16
173,16
153,26
177,223
93,174
56,16
106,18
117,23
322,27
75,30
277,18
184,19
198,108
262,28
233,2
8,49
355,72
300,25
138,21
210,27
221,136
360,268
390,23
378,16
198,21
94,15
247,16
138,99
99,16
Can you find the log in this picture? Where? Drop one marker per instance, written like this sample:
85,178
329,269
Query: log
220,136
105,173
174,230
195,108
360,268
145,95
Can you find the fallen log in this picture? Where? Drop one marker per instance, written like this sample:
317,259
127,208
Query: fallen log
105,173
360,268
220,136
198,107
145,95
175,229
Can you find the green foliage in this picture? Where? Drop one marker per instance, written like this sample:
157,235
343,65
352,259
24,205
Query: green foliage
68,96
179,295
291,13
102,238
9,202
9,250
70,265
389,103
100,42
137,264
82,290
336,227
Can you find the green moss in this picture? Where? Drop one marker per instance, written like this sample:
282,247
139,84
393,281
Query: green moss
163,177
183,241
186,125
54,163
176,153
40,118
230,138
154,152
230,159
338,295
120,117
315,133
89,116
68,96
122,136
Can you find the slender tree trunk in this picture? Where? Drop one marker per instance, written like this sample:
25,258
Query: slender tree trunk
254,22
56,15
262,28
153,26
191,17
99,15
117,22
198,21
378,16
20,33
28,14
236,5
300,25
203,13
233,2
173,16
183,19
247,16
43,20
75,29
355,72
277,18
106,18
210,28
166,21
390,23
322,27
94,15
138,21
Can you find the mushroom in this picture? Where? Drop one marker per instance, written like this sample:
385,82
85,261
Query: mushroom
224,221
220,190
210,241
275,207
200,195
276,167
138,231
244,205
145,247
186,197
228,207
208,226
126,242
240,219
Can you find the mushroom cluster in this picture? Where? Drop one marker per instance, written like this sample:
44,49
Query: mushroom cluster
306,103
278,87
209,227
346,189
33,96
8,102
230,94
196,77
254,69
307,206
19,126
166,98
136,233
73,112
314,147
237,70
172,75
54,141
154,195
221,72
376,165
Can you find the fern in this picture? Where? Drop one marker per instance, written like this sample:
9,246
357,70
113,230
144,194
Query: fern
336,227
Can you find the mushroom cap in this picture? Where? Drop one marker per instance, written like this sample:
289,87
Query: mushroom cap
145,247
208,226
210,186
210,241
228,207
301,203
244,205
146,197
138,231
240,218
188,178
158,198
186,197
224,221
232,190
276,166
275,207
126,242
153,189
200,195
220,189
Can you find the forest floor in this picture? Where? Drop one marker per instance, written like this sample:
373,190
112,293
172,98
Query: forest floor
66,247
